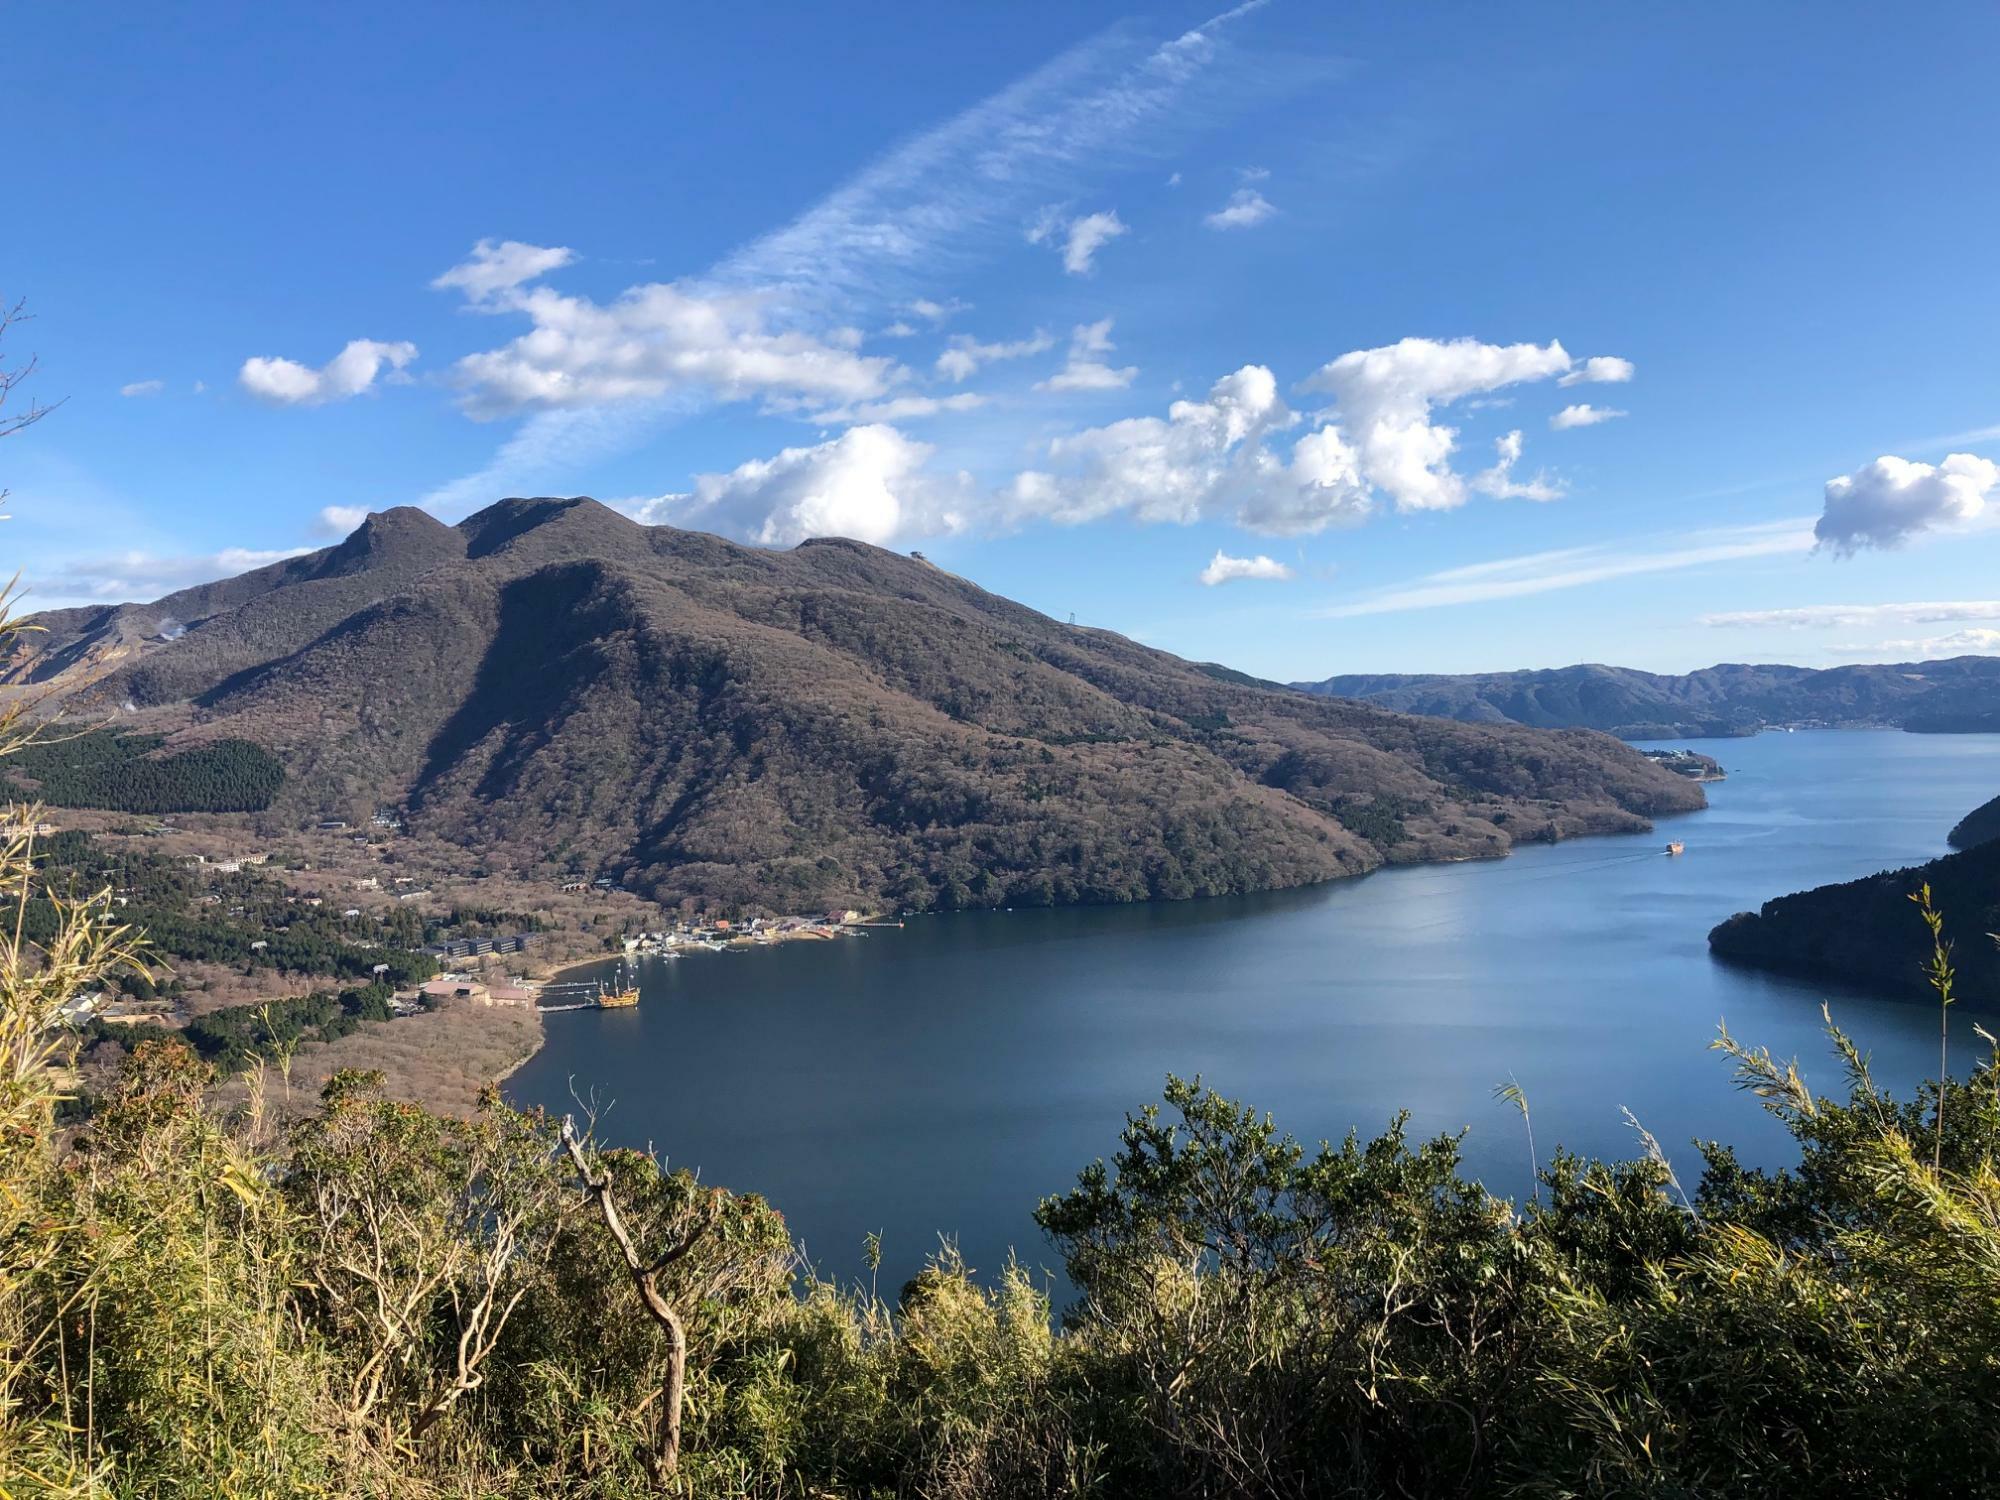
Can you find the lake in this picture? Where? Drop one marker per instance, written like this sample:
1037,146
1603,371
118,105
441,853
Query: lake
943,1078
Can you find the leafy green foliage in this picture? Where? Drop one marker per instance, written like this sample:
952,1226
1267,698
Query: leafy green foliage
396,1303
237,1035
109,769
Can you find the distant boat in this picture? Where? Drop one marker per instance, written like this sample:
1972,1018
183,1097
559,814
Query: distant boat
626,994
1676,847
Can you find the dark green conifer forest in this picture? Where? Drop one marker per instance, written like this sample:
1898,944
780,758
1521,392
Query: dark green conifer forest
123,772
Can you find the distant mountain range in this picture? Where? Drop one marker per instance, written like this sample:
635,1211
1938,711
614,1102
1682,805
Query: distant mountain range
555,687
1961,694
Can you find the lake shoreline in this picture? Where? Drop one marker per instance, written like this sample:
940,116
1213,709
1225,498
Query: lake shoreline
556,973
950,1080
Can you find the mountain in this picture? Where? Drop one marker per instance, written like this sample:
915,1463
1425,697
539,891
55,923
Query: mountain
1962,693
1980,826
560,688
1866,931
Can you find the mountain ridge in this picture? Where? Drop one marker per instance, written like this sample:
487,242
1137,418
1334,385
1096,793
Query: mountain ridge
556,686
1730,698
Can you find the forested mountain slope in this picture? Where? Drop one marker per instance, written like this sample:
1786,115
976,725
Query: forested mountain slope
1863,931
1962,693
1980,826
557,686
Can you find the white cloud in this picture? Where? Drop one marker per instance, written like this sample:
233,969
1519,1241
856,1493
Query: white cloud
1817,616
1959,640
654,341
1092,338
1246,209
938,312
1229,456
1499,481
136,576
1223,568
339,520
1219,458
1082,372
965,354
1600,369
1174,181
1089,375
1253,174
285,382
1885,503
869,483
930,205
1385,398
1079,239
1574,567
901,408
1205,458
143,388
1583,414
1958,643
498,267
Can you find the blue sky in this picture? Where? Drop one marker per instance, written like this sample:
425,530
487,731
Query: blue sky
1251,335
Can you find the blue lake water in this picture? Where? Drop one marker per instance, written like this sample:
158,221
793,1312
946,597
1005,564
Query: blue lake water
943,1078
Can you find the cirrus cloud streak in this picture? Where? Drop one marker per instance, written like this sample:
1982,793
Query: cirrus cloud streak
1576,567
1821,616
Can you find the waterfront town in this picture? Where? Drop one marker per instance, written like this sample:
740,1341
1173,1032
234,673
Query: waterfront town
339,945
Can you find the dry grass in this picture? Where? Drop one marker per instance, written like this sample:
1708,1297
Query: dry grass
440,1059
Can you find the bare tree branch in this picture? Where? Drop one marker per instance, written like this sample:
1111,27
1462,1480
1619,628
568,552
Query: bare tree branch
11,314
645,1278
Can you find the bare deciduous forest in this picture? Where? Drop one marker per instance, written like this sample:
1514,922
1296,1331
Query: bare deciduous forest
556,688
